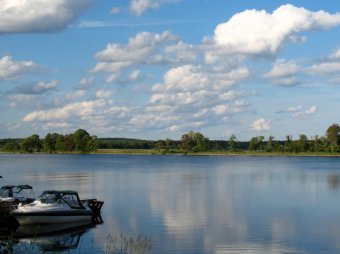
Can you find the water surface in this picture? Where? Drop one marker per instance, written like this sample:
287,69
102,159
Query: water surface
193,204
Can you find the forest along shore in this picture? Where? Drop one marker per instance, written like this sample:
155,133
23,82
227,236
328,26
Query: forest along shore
193,143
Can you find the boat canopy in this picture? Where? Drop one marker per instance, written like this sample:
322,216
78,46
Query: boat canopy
71,198
21,187
11,191
61,192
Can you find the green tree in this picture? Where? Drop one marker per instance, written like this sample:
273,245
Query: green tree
83,142
194,142
11,146
31,144
232,143
160,146
288,145
92,143
60,143
333,136
50,142
69,143
270,144
256,143
302,143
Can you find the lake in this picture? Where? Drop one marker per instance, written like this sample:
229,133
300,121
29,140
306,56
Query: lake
189,204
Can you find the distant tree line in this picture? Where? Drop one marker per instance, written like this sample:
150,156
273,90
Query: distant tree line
79,141
192,142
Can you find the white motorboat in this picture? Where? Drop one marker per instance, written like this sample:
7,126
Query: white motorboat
12,195
57,207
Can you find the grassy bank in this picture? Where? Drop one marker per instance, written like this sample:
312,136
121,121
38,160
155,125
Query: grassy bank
212,153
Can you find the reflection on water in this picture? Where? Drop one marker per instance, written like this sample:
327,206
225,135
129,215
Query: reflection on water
334,181
44,238
183,204
58,238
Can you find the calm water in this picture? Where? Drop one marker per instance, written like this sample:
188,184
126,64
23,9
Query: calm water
184,204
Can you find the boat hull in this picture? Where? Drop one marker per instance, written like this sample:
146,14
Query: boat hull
52,217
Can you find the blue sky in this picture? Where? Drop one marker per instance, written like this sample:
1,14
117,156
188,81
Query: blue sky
156,69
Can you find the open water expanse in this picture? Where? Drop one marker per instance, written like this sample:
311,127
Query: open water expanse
189,204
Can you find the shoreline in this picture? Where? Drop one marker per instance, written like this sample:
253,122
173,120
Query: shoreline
212,153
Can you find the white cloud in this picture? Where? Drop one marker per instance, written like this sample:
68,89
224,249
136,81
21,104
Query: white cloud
261,125
221,109
259,32
140,6
134,75
56,125
35,89
103,93
300,112
194,96
303,114
294,109
335,56
10,69
286,81
281,68
75,95
194,78
79,109
21,99
116,58
86,82
25,16
325,68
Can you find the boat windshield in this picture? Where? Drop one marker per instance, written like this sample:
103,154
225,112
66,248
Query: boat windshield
47,197
6,192
69,198
20,191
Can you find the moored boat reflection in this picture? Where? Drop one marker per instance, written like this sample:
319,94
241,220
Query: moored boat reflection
46,237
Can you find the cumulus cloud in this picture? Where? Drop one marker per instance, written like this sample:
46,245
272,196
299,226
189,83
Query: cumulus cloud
281,68
294,109
56,125
325,68
10,69
193,78
261,125
116,58
86,82
79,109
194,96
140,6
259,32
100,113
26,16
75,95
299,111
21,100
35,89
306,113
